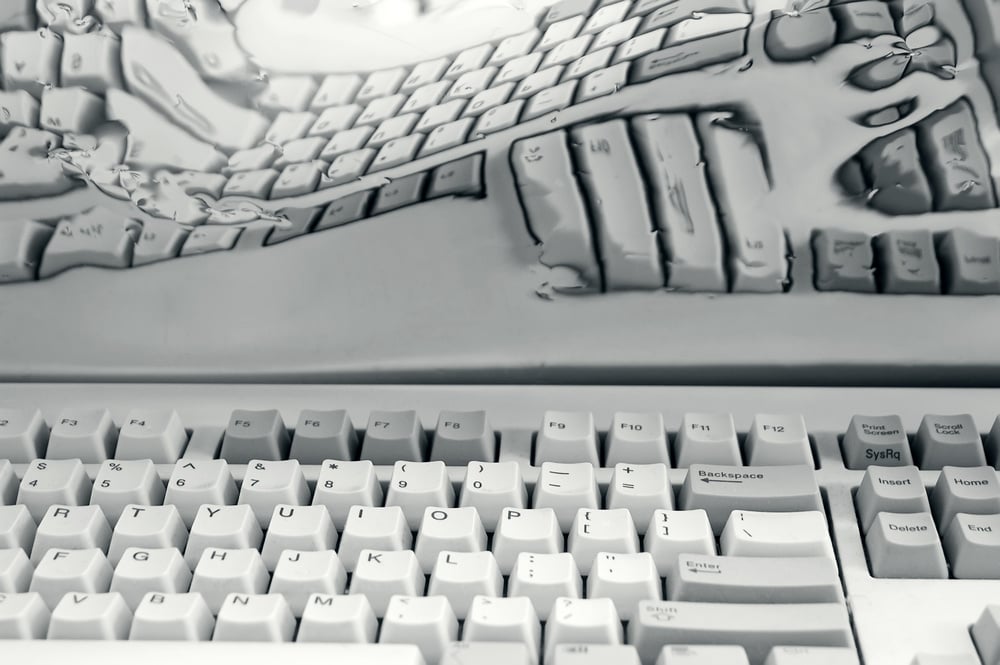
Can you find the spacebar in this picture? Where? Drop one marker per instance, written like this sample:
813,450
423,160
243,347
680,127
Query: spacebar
755,627
175,653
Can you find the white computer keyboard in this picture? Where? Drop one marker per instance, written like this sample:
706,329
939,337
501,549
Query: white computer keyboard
516,524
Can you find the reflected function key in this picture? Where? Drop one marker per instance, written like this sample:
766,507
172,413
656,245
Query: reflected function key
462,437
322,435
567,437
948,440
259,435
637,438
394,436
23,435
154,435
877,440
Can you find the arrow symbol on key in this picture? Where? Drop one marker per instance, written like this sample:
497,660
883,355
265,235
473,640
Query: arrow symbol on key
720,480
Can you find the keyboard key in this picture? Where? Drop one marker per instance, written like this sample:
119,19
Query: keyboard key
754,579
778,439
21,245
342,485
197,482
23,616
226,527
48,482
448,529
964,490
566,488
544,577
567,437
302,528
721,489
31,60
147,527
255,435
674,532
514,47
423,74
15,571
67,571
876,440
844,261
502,622
394,436
972,546
254,618
400,192
141,571
907,262
345,210
332,618
462,177
986,634
549,100
603,82
73,528
637,438
268,484
70,110
172,616
150,434
757,628
335,90
641,489
8,483
85,435
82,616
815,655
427,622
119,484
561,27
380,84
707,438
528,530
462,437
951,440
891,490
380,575
751,533
626,579
95,237
714,654
415,486
461,576
491,487
224,571
207,239
17,528
23,434
595,531
545,178
905,546
970,262
367,528
575,620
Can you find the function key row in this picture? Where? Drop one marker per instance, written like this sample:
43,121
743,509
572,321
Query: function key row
458,438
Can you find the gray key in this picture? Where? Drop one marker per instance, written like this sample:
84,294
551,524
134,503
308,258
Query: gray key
567,9
957,167
462,437
556,215
347,168
696,54
160,239
818,656
298,179
906,262
877,440
737,579
844,261
323,435
255,435
463,177
23,436
255,184
721,489
595,654
487,653
616,190
205,239
298,221
896,489
703,654
603,82
898,183
96,237
970,262
350,208
399,193
867,18
958,490
551,99
21,245
757,627
952,440
905,546
393,436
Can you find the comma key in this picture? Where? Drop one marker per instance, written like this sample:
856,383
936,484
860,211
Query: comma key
721,489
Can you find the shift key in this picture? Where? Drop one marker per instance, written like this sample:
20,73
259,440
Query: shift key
720,490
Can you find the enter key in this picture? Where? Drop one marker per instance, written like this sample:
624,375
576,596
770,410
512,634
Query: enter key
737,579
